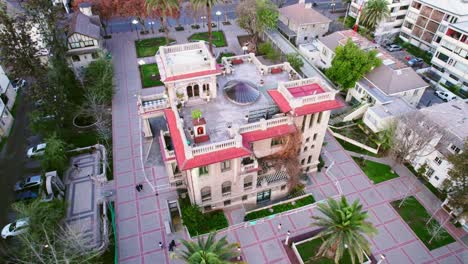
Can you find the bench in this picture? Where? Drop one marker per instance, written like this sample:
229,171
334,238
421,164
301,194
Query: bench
276,70
237,61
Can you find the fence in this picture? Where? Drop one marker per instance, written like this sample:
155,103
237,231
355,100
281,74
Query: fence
354,142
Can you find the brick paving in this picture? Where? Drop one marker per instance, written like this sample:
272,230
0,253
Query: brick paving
140,216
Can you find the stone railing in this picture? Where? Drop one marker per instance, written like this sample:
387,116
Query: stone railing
151,103
265,124
184,47
248,167
327,95
231,143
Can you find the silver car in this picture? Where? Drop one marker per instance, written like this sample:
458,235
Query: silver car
29,182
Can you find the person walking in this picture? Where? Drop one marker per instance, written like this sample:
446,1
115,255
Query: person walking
172,245
141,186
137,187
279,227
161,245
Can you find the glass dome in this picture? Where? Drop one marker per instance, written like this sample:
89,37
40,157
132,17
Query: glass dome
241,92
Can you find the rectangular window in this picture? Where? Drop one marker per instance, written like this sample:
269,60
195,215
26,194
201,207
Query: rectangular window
95,55
302,161
207,208
206,195
283,187
203,170
227,202
436,178
89,43
76,58
248,184
276,141
305,149
303,123
226,190
75,45
309,159
442,57
319,119
305,38
455,149
311,121
429,172
225,165
307,140
315,137
438,160
244,197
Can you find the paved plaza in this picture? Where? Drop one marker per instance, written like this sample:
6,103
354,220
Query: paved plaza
140,216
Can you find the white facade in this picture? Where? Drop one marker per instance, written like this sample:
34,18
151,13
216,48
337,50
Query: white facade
7,92
387,29
6,120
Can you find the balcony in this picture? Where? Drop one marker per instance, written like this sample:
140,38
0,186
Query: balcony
150,105
166,145
274,178
249,165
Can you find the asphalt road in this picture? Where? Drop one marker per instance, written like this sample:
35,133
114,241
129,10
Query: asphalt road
429,98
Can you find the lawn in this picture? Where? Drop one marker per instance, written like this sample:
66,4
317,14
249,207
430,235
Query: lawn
416,216
309,249
224,54
149,47
377,172
199,223
149,74
219,40
354,148
279,208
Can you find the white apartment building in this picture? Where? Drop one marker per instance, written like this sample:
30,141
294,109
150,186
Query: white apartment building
389,28
84,40
450,60
452,117
6,120
224,123
7,92
427,20
301,23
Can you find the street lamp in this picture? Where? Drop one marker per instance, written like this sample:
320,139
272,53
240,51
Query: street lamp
152,25
287,238
382,258
218,14
202,19
135,22
239,252
333,4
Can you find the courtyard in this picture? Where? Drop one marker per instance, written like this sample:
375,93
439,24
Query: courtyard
141,216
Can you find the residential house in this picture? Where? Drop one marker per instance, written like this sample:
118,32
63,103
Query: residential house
300,23
7,91
427,20
388,28
224,124
84,38
452,117
450,61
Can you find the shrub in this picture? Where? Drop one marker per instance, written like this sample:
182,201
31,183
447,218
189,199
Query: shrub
280,208
269,51
295,60
198,223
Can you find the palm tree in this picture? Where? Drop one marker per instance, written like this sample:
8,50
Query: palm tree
209,5
344,228
373,12
208,251
163,8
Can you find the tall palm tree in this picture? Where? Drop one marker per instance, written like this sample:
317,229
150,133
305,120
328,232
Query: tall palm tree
374,12
344,228
163,8
208,251
208,4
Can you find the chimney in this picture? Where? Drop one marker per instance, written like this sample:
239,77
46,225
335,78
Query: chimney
85,8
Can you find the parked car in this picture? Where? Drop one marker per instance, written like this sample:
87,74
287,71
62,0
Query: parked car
393,47
26,196
18,83
445,96
415,62
29,182
13,229
36,150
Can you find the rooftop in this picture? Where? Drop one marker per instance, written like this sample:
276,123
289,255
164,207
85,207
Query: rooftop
4,81
391,81
453,116
395,108
85,25
457,7
301,14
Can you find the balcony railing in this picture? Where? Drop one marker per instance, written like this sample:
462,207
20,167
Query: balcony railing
327,95
167,153
265,124
152,103
249,167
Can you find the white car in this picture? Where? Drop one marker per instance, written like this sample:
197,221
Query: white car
37,150
445,96
13,229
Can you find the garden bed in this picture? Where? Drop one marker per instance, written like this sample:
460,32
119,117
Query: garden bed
149,47
224,54
354,148
218,38
280,208
199,223
416,216
149,74
308,251
375,171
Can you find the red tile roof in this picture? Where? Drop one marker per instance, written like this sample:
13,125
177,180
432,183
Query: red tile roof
284,106
268,133
305,90
193,75
280,101
200,160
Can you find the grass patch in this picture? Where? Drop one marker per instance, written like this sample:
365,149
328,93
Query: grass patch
149,47
415,51
149,74
218,38
280,208
199,223
375,171
355,132
309,249
416,216
224,54
348,146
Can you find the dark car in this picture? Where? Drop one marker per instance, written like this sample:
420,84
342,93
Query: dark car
415,62
29,182
26,196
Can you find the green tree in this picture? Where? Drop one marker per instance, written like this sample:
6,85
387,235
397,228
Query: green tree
55,156
208,4
163,9
457,182
385,138
208,251
344,228
350,64
256,16
374,12
269,51
295,60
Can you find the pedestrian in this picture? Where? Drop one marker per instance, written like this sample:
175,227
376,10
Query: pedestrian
141,186
279,227
76,166
160,245
172,243
171,247
138,188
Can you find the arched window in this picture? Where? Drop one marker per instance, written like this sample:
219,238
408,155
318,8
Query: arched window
206,194
226,188
248,182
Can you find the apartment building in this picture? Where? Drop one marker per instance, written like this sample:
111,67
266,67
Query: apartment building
7,91
300,23
450,61
84,40
427,21
225,122
389,28
6,120
451,117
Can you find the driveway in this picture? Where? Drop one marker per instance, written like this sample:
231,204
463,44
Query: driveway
140,216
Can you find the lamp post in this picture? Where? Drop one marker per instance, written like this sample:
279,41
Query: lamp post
333,4
218,14
135,22
239,252
152,26
286,241
382,258
202,20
